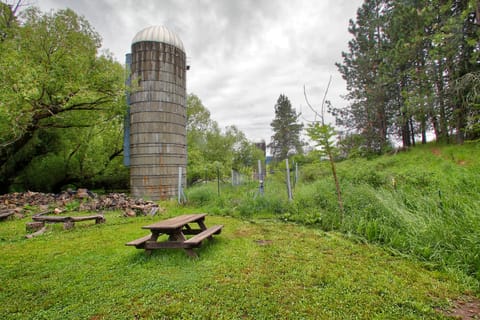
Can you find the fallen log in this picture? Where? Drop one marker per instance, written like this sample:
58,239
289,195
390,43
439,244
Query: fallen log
34,226
37,233
97,218
6,214
51,218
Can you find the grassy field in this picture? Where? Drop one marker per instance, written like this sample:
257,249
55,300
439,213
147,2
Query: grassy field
406,247
423,203
254,270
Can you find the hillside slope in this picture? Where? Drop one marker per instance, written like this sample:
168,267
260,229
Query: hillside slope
423,202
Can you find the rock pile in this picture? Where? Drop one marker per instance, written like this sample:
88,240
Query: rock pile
24,203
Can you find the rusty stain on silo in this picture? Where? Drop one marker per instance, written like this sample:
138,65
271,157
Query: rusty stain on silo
157,114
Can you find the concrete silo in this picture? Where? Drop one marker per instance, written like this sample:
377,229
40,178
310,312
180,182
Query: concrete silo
157,114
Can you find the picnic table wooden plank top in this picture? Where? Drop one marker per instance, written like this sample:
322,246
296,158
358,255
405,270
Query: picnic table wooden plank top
175,222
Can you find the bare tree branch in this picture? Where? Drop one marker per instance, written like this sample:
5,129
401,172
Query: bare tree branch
322,113
303,118
310,106
324,97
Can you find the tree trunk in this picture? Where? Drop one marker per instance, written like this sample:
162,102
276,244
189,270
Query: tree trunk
439,84
405,131
460,124
412,130
423,126
435,126
335,178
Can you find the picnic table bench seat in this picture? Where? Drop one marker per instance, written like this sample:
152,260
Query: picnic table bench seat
197,239
140,242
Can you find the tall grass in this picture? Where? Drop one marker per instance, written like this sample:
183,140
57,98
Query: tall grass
424,203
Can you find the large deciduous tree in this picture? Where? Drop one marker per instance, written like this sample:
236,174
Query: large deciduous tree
58,97
286,130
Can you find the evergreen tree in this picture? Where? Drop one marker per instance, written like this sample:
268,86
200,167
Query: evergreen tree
412,67
364,70
286,138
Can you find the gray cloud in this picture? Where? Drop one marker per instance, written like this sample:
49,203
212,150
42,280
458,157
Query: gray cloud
243,54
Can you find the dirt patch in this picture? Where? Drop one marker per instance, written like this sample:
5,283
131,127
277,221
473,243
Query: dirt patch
243,232
465,308
437,152
263,242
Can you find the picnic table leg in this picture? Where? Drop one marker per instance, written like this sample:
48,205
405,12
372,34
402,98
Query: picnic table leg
154,237
179,236
191,253
202,225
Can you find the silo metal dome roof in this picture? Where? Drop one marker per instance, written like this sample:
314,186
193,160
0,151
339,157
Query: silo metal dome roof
159,34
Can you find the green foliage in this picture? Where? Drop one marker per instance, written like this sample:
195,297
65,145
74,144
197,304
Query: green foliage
207,145
322,135
244,200
61,103
259,205
352,146
201,196
423,203
72,205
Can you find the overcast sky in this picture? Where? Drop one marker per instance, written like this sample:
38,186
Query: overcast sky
243,53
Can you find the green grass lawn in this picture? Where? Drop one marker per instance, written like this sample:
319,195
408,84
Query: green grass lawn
253,270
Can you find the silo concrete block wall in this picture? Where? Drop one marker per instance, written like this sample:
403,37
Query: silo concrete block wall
157,119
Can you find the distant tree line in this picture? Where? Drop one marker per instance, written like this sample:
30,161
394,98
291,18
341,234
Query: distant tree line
212,150
412,67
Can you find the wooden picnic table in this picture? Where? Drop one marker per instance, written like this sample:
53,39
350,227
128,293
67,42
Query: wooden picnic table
176,230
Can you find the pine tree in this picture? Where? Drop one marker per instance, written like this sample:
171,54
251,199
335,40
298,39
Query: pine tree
286,138
363,69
